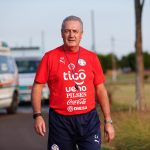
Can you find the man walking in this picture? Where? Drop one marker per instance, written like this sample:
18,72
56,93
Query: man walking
74,75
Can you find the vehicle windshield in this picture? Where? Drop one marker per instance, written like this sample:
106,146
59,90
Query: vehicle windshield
6,65
27,66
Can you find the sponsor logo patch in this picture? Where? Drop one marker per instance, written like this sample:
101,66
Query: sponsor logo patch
70,108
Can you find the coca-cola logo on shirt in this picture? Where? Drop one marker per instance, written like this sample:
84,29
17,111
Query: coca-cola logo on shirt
81,101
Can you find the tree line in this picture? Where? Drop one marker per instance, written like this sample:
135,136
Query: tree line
126,63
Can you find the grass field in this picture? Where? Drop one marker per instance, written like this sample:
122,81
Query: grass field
132,128
123,96
123,91
132,131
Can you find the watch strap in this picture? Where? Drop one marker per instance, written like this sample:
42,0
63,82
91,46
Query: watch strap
35,115
108,121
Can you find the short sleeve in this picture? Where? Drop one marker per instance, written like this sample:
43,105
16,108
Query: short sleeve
98,72
42,73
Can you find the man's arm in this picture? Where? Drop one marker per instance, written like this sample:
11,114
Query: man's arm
39,123
103,100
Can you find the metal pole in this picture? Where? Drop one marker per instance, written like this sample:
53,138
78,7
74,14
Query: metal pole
93,30
42,41
114,72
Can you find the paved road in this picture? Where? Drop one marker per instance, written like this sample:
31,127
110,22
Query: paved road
17,133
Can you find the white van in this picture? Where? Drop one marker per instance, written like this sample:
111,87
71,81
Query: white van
27,67
8,81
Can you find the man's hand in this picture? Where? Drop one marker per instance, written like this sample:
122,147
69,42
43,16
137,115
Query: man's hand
109,132
39,126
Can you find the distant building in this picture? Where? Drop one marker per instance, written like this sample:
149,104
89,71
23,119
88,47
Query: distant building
27,52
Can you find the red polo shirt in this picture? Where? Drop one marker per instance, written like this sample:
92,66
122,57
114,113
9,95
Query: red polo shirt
62,70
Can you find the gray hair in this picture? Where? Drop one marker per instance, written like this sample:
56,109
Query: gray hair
71,18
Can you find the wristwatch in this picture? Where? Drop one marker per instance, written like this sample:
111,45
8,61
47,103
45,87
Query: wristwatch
35,115
108,121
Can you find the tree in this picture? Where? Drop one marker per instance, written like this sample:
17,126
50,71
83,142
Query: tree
106,61
128,61
146,56
140,101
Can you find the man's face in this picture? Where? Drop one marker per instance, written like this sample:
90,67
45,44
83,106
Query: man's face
72,33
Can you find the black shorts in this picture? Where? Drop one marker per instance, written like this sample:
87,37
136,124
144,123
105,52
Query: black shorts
70,132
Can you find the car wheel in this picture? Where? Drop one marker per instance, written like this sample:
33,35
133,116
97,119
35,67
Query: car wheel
14,105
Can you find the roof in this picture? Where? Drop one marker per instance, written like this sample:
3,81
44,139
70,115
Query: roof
28,58
25,48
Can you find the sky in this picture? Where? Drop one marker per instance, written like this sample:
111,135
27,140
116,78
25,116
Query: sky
38,23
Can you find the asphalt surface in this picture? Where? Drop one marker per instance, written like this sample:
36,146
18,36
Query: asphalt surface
17,132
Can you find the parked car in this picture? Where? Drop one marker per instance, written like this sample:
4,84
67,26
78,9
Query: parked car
27,67
8,81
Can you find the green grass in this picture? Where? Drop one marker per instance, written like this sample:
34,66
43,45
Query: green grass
132,128
132,131
123,96
129,77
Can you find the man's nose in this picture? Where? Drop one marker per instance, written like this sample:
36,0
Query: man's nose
71,34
